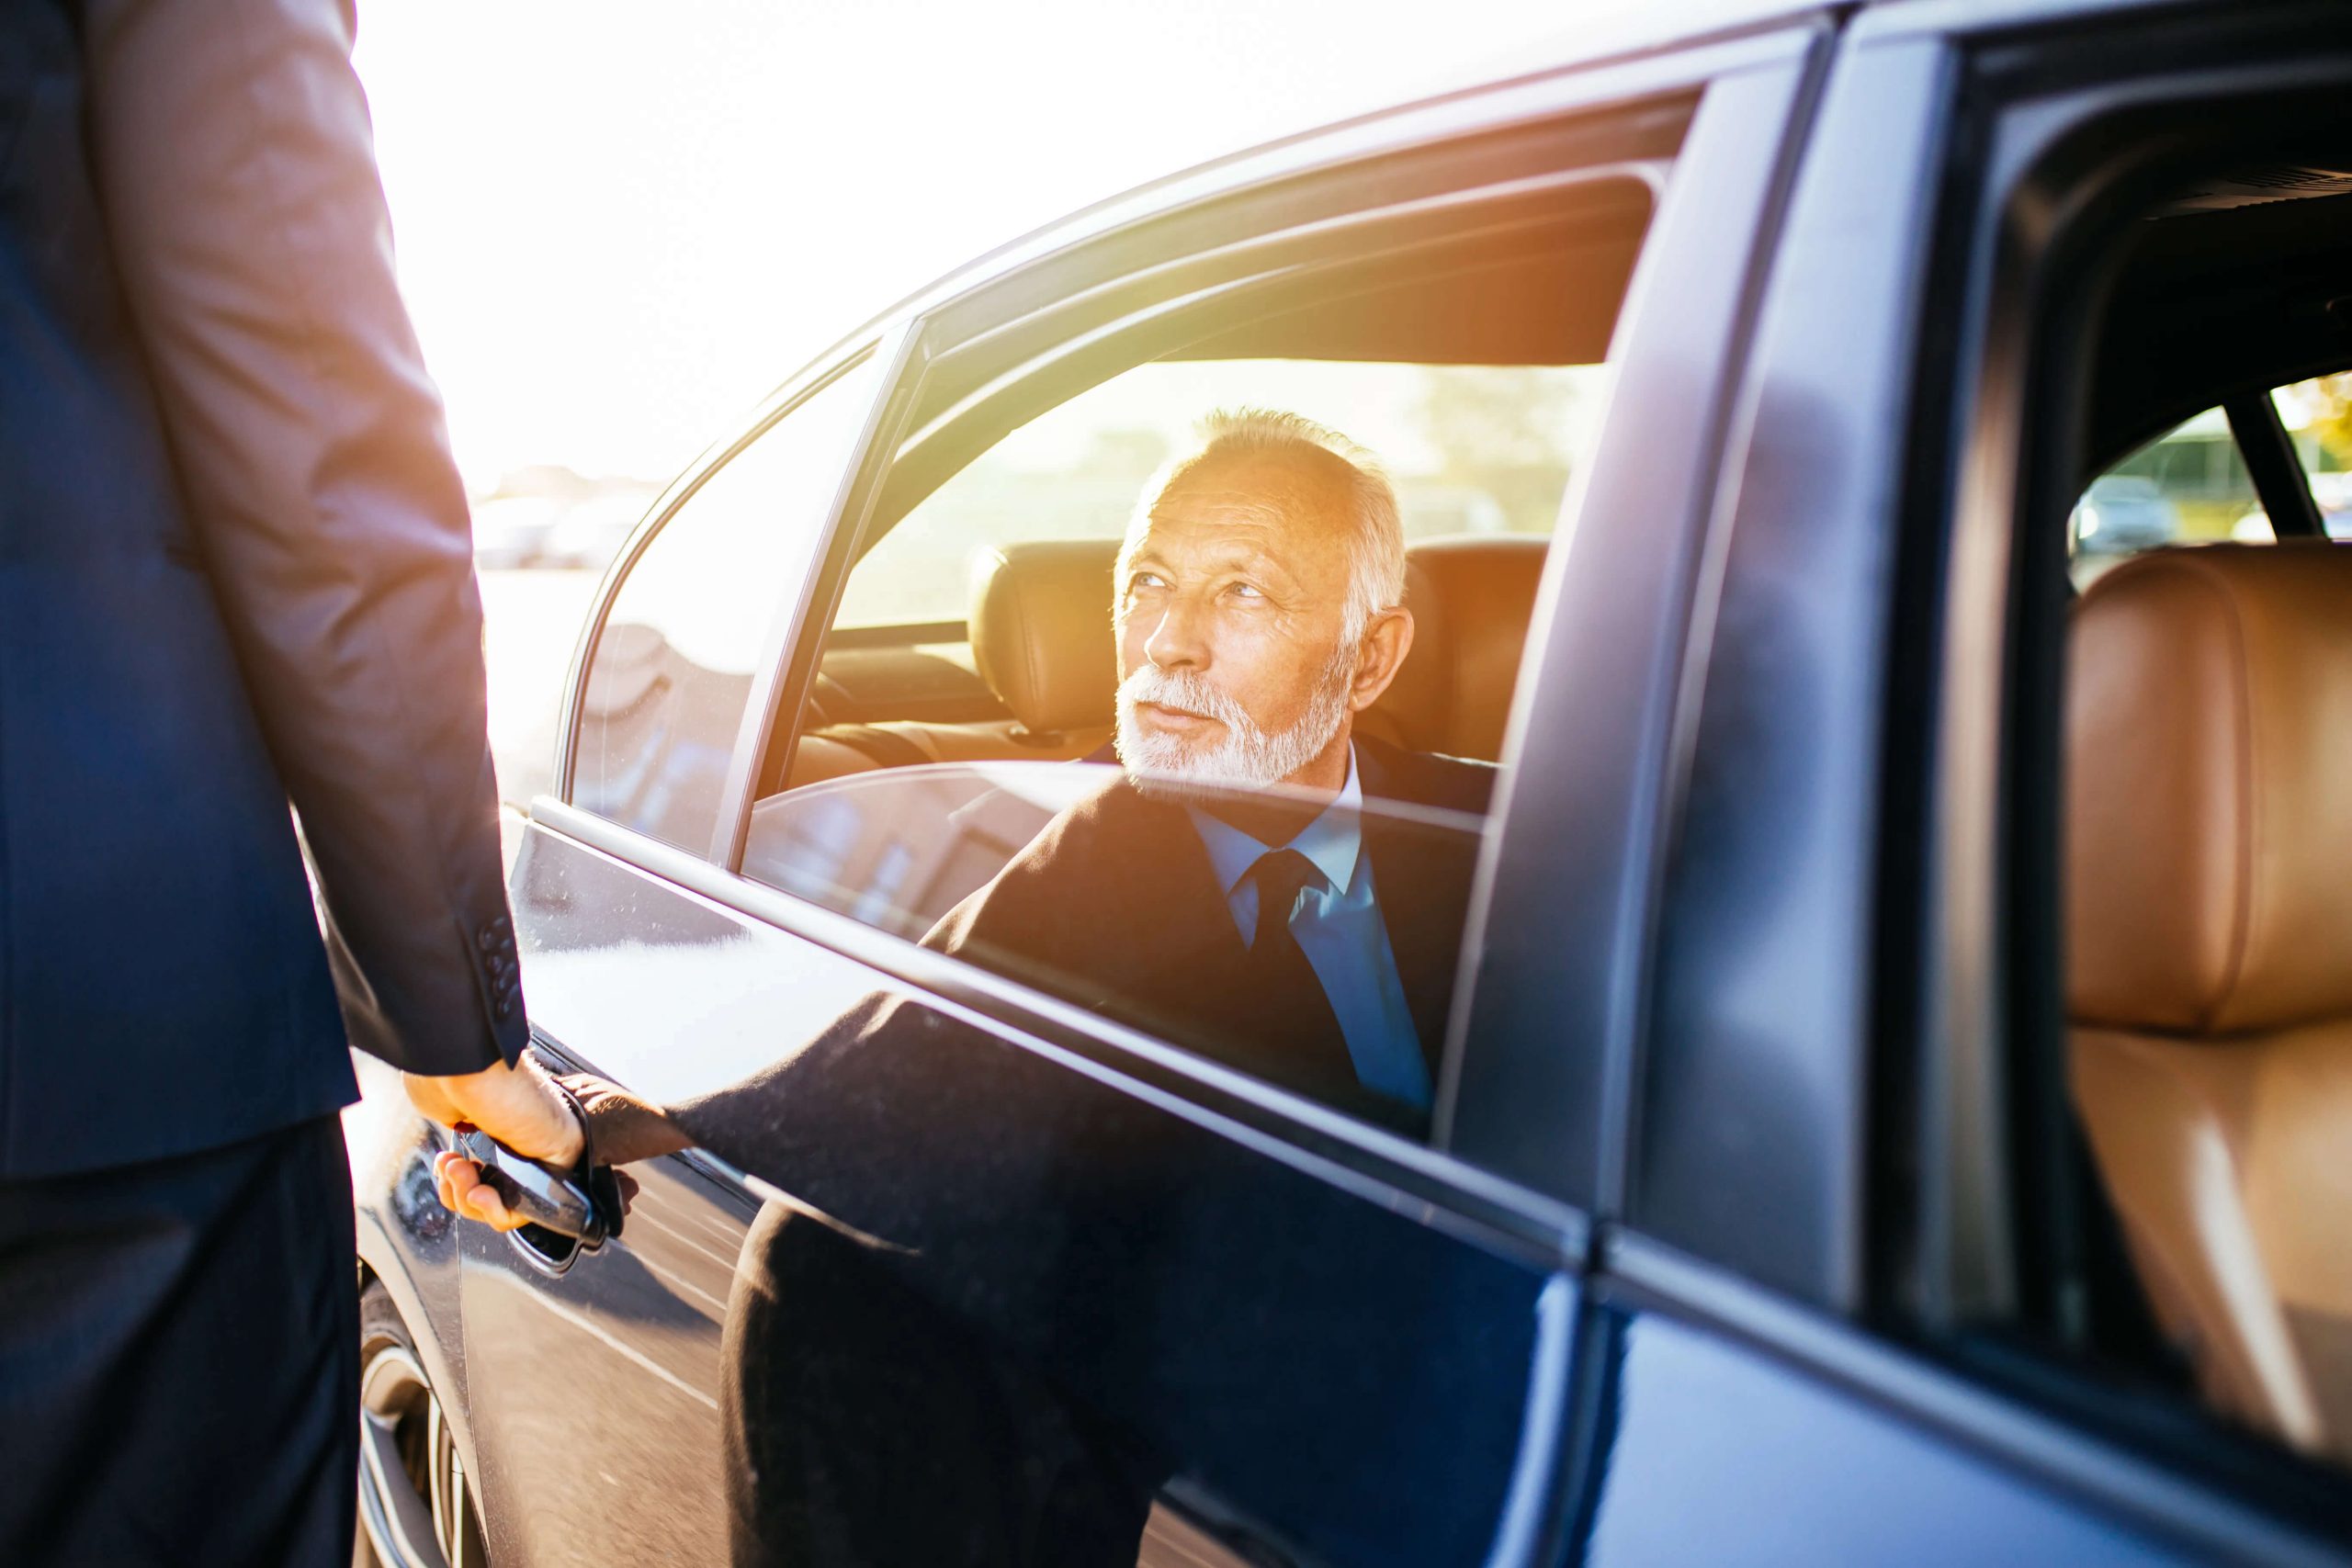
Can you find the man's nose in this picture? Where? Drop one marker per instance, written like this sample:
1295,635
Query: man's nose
1177,642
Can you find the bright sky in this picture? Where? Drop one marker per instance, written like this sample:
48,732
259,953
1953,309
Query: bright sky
620,223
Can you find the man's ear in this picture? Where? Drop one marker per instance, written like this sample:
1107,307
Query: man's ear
1386,641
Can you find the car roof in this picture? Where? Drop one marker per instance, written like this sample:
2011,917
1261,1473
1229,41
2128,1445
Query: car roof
1475,97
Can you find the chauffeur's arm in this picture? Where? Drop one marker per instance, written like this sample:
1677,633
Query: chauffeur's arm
233,154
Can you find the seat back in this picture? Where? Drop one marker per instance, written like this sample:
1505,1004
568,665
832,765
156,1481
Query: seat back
2208,920
1041,639
1472,598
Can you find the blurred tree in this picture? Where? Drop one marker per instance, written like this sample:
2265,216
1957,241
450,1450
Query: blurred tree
2330,400
1504,433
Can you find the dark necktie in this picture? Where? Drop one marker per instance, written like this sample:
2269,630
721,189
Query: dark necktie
1300,1026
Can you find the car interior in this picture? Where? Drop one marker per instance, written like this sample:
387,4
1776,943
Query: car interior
2185,1196
1029,672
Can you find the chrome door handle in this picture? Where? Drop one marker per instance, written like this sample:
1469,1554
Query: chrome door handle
551,1199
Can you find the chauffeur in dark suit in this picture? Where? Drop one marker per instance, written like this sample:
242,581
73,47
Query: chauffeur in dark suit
234,569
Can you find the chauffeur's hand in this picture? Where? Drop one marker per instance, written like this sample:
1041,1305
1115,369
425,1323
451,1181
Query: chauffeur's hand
519,1107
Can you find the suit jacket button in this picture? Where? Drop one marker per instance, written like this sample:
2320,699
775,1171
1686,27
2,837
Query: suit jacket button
486,938
506,1008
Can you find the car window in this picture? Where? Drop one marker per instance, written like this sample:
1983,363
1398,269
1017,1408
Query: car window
664,690
2192,485
959,780
1472,449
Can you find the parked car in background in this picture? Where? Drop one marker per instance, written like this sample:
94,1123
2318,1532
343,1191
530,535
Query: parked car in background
512,531
2123,512
590,532
1791,1194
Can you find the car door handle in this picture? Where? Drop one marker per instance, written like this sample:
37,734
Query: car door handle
540,1194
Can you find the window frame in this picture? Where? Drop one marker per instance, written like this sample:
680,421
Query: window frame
1047,378
1503,1207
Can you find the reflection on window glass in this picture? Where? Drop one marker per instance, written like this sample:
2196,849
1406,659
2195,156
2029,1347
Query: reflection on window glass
1472,449
1156,908
2190,485
665,690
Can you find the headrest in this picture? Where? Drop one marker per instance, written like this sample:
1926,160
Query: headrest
2209,790
1041,635
1471,600
1041,631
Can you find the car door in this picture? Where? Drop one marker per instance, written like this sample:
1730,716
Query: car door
973,1262
1816,1321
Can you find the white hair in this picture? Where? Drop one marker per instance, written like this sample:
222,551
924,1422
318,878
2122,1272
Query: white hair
1331,464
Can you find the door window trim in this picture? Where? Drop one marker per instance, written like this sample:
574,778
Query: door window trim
825,373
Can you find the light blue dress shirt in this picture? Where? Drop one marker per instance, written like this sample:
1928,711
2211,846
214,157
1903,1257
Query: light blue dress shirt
1339,928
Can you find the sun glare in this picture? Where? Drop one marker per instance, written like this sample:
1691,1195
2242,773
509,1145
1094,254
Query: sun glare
619,224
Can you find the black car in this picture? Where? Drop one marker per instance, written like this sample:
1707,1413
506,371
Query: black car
1898,1079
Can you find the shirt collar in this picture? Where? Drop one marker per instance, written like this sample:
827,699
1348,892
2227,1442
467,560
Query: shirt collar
1332,842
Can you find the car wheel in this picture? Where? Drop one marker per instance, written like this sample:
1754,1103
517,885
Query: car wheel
416,1510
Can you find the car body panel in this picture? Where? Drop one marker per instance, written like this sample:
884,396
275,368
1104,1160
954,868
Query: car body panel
1308,1367
1795,1470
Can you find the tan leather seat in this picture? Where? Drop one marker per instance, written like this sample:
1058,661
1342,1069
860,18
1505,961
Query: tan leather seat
1040,624
1041,635
1472,598
2208,918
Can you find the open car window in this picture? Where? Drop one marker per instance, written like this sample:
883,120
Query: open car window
957,779
1472,449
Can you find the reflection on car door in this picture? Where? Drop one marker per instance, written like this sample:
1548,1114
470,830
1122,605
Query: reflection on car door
1092,1297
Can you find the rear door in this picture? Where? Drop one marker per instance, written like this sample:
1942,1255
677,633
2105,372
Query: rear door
1019,1282
1819,1339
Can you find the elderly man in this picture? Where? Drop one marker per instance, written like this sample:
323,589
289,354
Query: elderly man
1232,891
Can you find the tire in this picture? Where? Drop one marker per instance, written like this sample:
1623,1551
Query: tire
417,1509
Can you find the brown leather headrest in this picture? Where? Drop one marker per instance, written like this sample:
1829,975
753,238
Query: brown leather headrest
1041,635
2209,790
1471,600
1041,631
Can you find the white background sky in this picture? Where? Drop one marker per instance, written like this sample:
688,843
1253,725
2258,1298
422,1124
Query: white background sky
621,221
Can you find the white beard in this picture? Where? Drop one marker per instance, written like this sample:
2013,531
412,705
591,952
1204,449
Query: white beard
1246,757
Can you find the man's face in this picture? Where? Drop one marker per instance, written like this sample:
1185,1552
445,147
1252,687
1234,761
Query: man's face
1230,612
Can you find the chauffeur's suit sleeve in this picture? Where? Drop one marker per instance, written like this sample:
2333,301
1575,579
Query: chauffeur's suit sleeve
234,158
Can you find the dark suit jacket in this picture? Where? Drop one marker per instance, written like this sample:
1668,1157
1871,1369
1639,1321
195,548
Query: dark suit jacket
235,569
1114,906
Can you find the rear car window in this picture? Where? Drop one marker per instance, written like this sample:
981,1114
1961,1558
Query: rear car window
2190,485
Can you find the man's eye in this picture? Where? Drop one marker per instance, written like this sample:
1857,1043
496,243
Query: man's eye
1247,591
1144,579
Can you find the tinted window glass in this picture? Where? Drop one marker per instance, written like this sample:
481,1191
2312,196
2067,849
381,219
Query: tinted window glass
673,666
